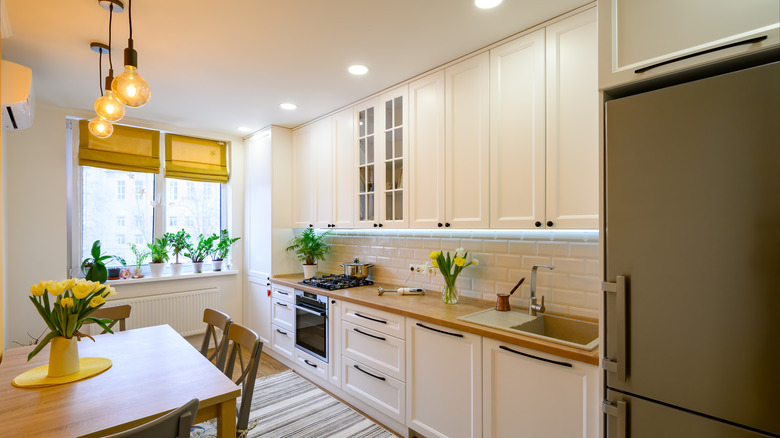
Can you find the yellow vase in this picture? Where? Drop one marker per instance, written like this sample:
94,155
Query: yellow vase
63,357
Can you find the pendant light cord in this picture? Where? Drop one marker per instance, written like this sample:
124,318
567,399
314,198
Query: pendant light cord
130,16
110,19
100,71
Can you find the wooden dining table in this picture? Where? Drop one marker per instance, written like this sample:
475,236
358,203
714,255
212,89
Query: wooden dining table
154,371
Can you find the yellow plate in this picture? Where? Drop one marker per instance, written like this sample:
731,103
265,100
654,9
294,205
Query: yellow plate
38,378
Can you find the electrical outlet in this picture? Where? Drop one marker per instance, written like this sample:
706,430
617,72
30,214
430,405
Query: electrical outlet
419,269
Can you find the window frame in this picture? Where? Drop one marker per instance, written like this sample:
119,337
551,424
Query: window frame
75,189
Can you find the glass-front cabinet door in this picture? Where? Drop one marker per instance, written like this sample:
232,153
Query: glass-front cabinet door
366,214
394,208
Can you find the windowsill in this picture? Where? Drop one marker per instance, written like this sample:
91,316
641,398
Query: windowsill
168,277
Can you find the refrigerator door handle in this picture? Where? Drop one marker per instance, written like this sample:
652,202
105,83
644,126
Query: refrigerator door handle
617,363
617,410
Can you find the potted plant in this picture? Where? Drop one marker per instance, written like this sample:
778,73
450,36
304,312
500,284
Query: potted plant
178,242
94,267
222,248
200,251
309,247
159,252
140,256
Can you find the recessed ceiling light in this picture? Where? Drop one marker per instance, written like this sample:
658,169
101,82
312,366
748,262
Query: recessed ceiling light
358,69
288,106
487,4
244,129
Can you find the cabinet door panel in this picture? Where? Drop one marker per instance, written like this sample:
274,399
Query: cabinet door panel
392,159
343,168
303,155
366,134
572,123
468,143
324,188
517,132
426,151
259,309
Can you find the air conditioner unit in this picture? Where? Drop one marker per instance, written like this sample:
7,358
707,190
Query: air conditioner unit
17,96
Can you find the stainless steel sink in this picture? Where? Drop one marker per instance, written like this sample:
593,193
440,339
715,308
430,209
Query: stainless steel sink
559,329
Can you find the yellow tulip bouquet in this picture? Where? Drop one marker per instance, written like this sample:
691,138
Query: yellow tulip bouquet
450,267
75,301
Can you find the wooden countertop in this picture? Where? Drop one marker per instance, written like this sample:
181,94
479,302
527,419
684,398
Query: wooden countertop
430,308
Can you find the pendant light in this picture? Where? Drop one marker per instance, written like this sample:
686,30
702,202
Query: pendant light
129,87
100,128
107,106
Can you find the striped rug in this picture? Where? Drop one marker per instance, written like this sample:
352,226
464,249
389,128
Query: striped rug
287,405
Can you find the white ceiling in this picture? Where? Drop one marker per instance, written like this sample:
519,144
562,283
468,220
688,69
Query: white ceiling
218,65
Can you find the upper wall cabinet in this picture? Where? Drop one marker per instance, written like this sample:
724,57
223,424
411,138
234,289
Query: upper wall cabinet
572,141
342,128
517,131
366,135
303,161
641,39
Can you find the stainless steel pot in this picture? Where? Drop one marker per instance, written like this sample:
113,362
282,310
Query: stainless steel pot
356,269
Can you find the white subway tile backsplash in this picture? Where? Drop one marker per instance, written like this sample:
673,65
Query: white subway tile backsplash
505,256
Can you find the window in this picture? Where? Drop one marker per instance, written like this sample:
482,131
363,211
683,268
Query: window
103,172
120,190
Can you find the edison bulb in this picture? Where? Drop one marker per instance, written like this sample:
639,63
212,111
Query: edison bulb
100,128
130,88
109,108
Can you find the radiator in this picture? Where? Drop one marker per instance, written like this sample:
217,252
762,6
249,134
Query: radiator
182,310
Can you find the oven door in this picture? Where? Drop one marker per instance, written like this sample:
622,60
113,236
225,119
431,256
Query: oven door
311,330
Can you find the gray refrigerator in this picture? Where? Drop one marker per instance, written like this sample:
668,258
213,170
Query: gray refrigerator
692,259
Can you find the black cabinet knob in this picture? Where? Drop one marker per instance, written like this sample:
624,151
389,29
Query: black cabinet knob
447,224
333,225
381,225
375,225
538,224
440,225
311,226
333,301
549,223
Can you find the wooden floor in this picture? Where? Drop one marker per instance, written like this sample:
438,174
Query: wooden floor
268,366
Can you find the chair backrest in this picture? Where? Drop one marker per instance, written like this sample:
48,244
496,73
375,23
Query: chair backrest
243,339
214,320
116,313
174,424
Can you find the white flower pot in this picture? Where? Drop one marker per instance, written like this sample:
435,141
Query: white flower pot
217,265
309,271
156,269
176,268
197,267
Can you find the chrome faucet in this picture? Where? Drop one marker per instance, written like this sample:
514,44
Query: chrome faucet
532,306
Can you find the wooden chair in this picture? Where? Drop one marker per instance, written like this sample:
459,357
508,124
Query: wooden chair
116,313
241,338
214,320
174,424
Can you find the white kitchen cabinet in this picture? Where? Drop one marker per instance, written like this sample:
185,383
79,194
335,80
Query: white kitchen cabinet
427,152
374,388
534,394
283,342
334,341
311,366
572,140
379,351
636,34
258,307
467,156
304,154
343,168
282,317
366,137
517,132
443,381
375,319
322,147
393,158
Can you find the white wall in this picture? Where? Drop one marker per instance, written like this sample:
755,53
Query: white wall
35,220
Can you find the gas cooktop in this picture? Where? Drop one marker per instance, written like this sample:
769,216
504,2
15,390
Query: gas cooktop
333,282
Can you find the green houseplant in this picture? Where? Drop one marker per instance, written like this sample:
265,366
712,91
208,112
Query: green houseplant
222,248
178,242
200,251
159,252
94,267
309,247
140,256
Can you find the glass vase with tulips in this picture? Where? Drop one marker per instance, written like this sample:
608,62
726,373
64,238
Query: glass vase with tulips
450,267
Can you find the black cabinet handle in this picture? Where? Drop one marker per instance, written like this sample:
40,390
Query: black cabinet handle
446,224
703,52
549,223
440,225
563,364
538,224
310,364
282,332
458,335
282,292
370,374
371,319
281,304
369,335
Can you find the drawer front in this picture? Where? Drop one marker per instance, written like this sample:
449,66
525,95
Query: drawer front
309,364
283,341
283,293
379,320
381,352
374,388
283,315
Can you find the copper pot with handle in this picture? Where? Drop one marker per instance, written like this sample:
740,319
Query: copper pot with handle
356,269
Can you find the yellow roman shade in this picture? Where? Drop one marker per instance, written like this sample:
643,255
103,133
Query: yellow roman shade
195,159
129,149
